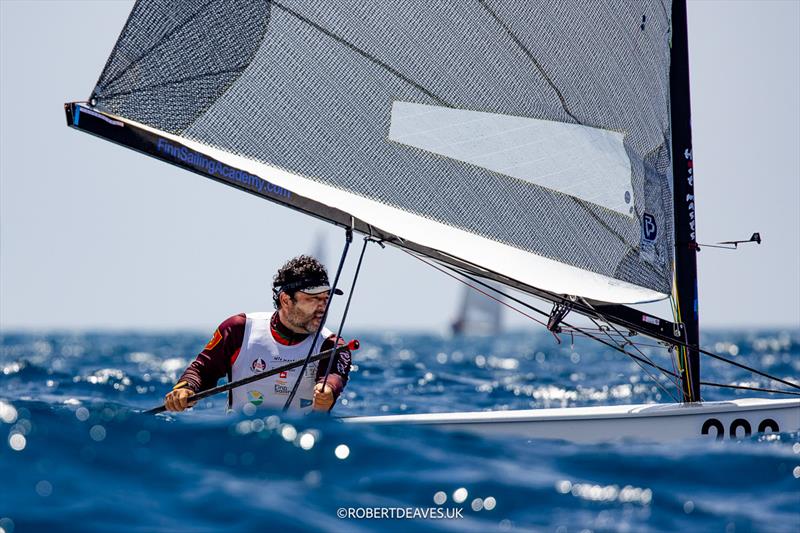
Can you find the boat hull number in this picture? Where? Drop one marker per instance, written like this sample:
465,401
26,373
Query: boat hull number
739,428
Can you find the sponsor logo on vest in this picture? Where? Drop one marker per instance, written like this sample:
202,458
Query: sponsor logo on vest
258,366
281,387
305,403
255,397
283,375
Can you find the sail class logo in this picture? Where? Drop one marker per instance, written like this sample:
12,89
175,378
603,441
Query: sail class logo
649,227
255,397
258,366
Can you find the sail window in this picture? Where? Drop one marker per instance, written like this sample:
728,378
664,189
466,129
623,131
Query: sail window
583,162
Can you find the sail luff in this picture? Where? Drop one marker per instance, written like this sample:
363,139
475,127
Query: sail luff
686,293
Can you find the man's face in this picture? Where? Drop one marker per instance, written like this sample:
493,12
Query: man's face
305,311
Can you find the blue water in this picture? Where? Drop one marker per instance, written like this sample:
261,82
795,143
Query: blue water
76,454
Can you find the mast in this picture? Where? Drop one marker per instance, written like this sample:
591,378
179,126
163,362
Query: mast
685,288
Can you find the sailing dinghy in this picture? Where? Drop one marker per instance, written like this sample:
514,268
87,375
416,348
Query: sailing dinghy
543,148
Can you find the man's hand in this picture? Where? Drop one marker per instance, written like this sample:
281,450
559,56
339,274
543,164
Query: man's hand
323,400
177,400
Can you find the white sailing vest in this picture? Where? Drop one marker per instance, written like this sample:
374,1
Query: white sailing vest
261,352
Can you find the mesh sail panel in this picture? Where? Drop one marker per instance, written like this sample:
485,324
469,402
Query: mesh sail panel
309,87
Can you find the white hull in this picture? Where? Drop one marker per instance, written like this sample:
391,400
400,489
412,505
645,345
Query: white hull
648,422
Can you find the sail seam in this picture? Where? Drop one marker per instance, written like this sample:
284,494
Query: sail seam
174,82
155,45
233,81
122,34
362,53
531,57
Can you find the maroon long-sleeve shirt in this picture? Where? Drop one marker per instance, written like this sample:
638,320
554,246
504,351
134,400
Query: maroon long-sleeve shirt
216,359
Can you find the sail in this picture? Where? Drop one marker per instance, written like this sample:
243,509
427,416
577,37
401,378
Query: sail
319,249
477,315
532,142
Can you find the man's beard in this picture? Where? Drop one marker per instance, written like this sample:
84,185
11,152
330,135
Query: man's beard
300,322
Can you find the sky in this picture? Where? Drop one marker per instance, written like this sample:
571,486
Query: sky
94,236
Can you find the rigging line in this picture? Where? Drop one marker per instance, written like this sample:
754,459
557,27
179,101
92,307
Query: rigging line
672,357
595,330
633,356
361,52
531,57
229,386
621,350
744,387
677,386
687,346
637,349
675,343
346,309
348,240
626,337
155,45
745,367
678,358
701,245
652,377
477,289
683,352
543,313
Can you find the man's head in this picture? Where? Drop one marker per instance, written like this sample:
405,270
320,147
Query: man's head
300,291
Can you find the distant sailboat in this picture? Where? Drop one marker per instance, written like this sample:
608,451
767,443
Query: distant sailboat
478,315
545,149
318,250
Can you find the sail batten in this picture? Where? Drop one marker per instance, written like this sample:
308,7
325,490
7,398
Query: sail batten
563,185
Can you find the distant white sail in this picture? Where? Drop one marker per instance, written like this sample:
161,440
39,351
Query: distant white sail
478,315
318,250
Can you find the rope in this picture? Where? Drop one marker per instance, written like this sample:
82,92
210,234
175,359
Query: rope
348,240
655,380
614,346
677,386
498,300
367,239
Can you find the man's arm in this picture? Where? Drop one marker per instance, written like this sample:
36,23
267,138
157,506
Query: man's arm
337,379
211,364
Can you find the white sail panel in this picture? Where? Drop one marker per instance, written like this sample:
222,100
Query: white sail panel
586,163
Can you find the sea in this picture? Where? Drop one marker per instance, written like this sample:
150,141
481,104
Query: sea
77,453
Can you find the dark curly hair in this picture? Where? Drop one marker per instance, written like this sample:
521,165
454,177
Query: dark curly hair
298,268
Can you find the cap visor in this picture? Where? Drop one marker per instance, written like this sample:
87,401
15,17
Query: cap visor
320,289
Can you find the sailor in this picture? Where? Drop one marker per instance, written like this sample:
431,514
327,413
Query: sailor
251,343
